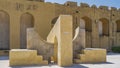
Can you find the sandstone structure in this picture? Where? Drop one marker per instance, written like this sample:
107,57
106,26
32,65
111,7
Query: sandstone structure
61,49
33,24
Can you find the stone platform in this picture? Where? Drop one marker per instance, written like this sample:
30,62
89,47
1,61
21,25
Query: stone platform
91,55
20,57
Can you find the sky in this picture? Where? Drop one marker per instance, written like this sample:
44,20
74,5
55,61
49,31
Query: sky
110,3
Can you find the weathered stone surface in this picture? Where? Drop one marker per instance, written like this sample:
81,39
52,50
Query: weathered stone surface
43,14
91,55
20,57
62,31
79,41
35,42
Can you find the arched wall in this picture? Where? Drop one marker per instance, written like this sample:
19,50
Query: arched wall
88,23
26,21
105,26
88,30
118,25
100,28
4,31
118,33
104,37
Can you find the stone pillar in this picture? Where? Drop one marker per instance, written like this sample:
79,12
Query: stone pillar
65,47
95,35
14,31
63,31
111,26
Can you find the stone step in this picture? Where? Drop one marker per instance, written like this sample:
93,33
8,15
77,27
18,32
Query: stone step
80,55
77,61
44,62
39,58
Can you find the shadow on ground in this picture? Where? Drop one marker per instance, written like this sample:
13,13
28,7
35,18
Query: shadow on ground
74,66
4,58
111,53
77,66
104,63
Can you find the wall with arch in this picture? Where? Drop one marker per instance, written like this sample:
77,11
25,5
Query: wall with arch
22,15
4,31
26,21
44,14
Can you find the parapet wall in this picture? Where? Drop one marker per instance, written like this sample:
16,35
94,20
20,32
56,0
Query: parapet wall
85,5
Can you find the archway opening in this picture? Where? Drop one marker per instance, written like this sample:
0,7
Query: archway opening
82,24
105,26
26,21
117,33
104,33
100,28
87,24
118,25
4,31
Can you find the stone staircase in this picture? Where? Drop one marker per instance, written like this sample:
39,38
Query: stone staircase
91,55
40,61
78,58
19,57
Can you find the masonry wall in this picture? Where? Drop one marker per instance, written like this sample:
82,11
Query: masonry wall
45,15
42,14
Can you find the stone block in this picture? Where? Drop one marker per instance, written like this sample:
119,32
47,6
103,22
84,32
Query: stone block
92,55
20,57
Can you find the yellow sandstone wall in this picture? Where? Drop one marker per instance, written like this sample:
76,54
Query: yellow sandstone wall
21,57
44,14
91,55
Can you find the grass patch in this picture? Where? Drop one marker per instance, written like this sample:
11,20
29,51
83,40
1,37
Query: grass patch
116,49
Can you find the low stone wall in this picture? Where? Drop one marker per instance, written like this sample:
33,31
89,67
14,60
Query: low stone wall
20,57
91,55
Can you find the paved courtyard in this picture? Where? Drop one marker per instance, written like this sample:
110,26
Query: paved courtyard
113,61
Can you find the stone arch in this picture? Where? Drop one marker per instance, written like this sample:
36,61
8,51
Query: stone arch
88,30
118,26
26,21
88,23
4,31
104,38
82,24
105,26
100,28
117,32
